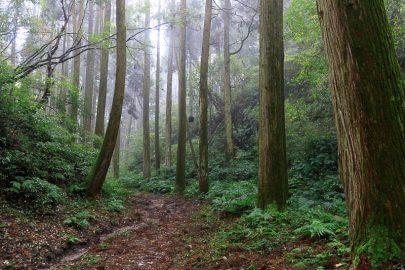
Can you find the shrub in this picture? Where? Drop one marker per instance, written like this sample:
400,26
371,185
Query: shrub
80,220
233,197
37,152
115,205
316,229
39,192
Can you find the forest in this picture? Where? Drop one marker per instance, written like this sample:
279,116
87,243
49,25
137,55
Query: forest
202,134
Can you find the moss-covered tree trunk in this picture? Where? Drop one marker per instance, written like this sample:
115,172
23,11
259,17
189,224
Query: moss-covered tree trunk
273,185
99,171
203,146
181,146
146,96
169,87
229,148
102,92
368,98
157,98
88,91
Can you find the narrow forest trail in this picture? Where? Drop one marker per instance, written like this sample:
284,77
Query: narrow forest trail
150,243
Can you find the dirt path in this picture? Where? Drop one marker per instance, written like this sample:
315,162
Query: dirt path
150,243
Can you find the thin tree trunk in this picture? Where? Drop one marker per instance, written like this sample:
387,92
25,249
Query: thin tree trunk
88,94
229,148
182,131
157,99
128,139
102,92
74,94
190,142
146,96
368,97
99,31
203,145
168,125
99,171
116,156
189,83
273,185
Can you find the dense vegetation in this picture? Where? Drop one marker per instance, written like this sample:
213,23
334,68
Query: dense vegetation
68,163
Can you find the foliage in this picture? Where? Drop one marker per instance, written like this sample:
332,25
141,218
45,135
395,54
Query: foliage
115,205
72,239
38,155
316,229
115,189
42,193
243,167
233,197
80,220
379,248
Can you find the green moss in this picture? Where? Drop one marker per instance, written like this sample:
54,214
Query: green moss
379,247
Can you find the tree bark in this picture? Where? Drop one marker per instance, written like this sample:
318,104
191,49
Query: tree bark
368,98
99,171
102,92
273,185
88,92
157,99
203,145
229,148
181,146
169,87
146,96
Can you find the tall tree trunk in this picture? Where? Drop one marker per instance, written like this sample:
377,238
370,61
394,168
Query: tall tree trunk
189,83
99,171
273,185
368,97
229,148
88,94
99,30
182,131
203,146
74,94
168,124
116,156
146,96
102,92
128,139
192,151
157,99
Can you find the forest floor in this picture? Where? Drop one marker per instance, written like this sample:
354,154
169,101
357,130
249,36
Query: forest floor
154,232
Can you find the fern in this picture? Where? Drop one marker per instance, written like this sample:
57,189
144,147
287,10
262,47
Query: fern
317,229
